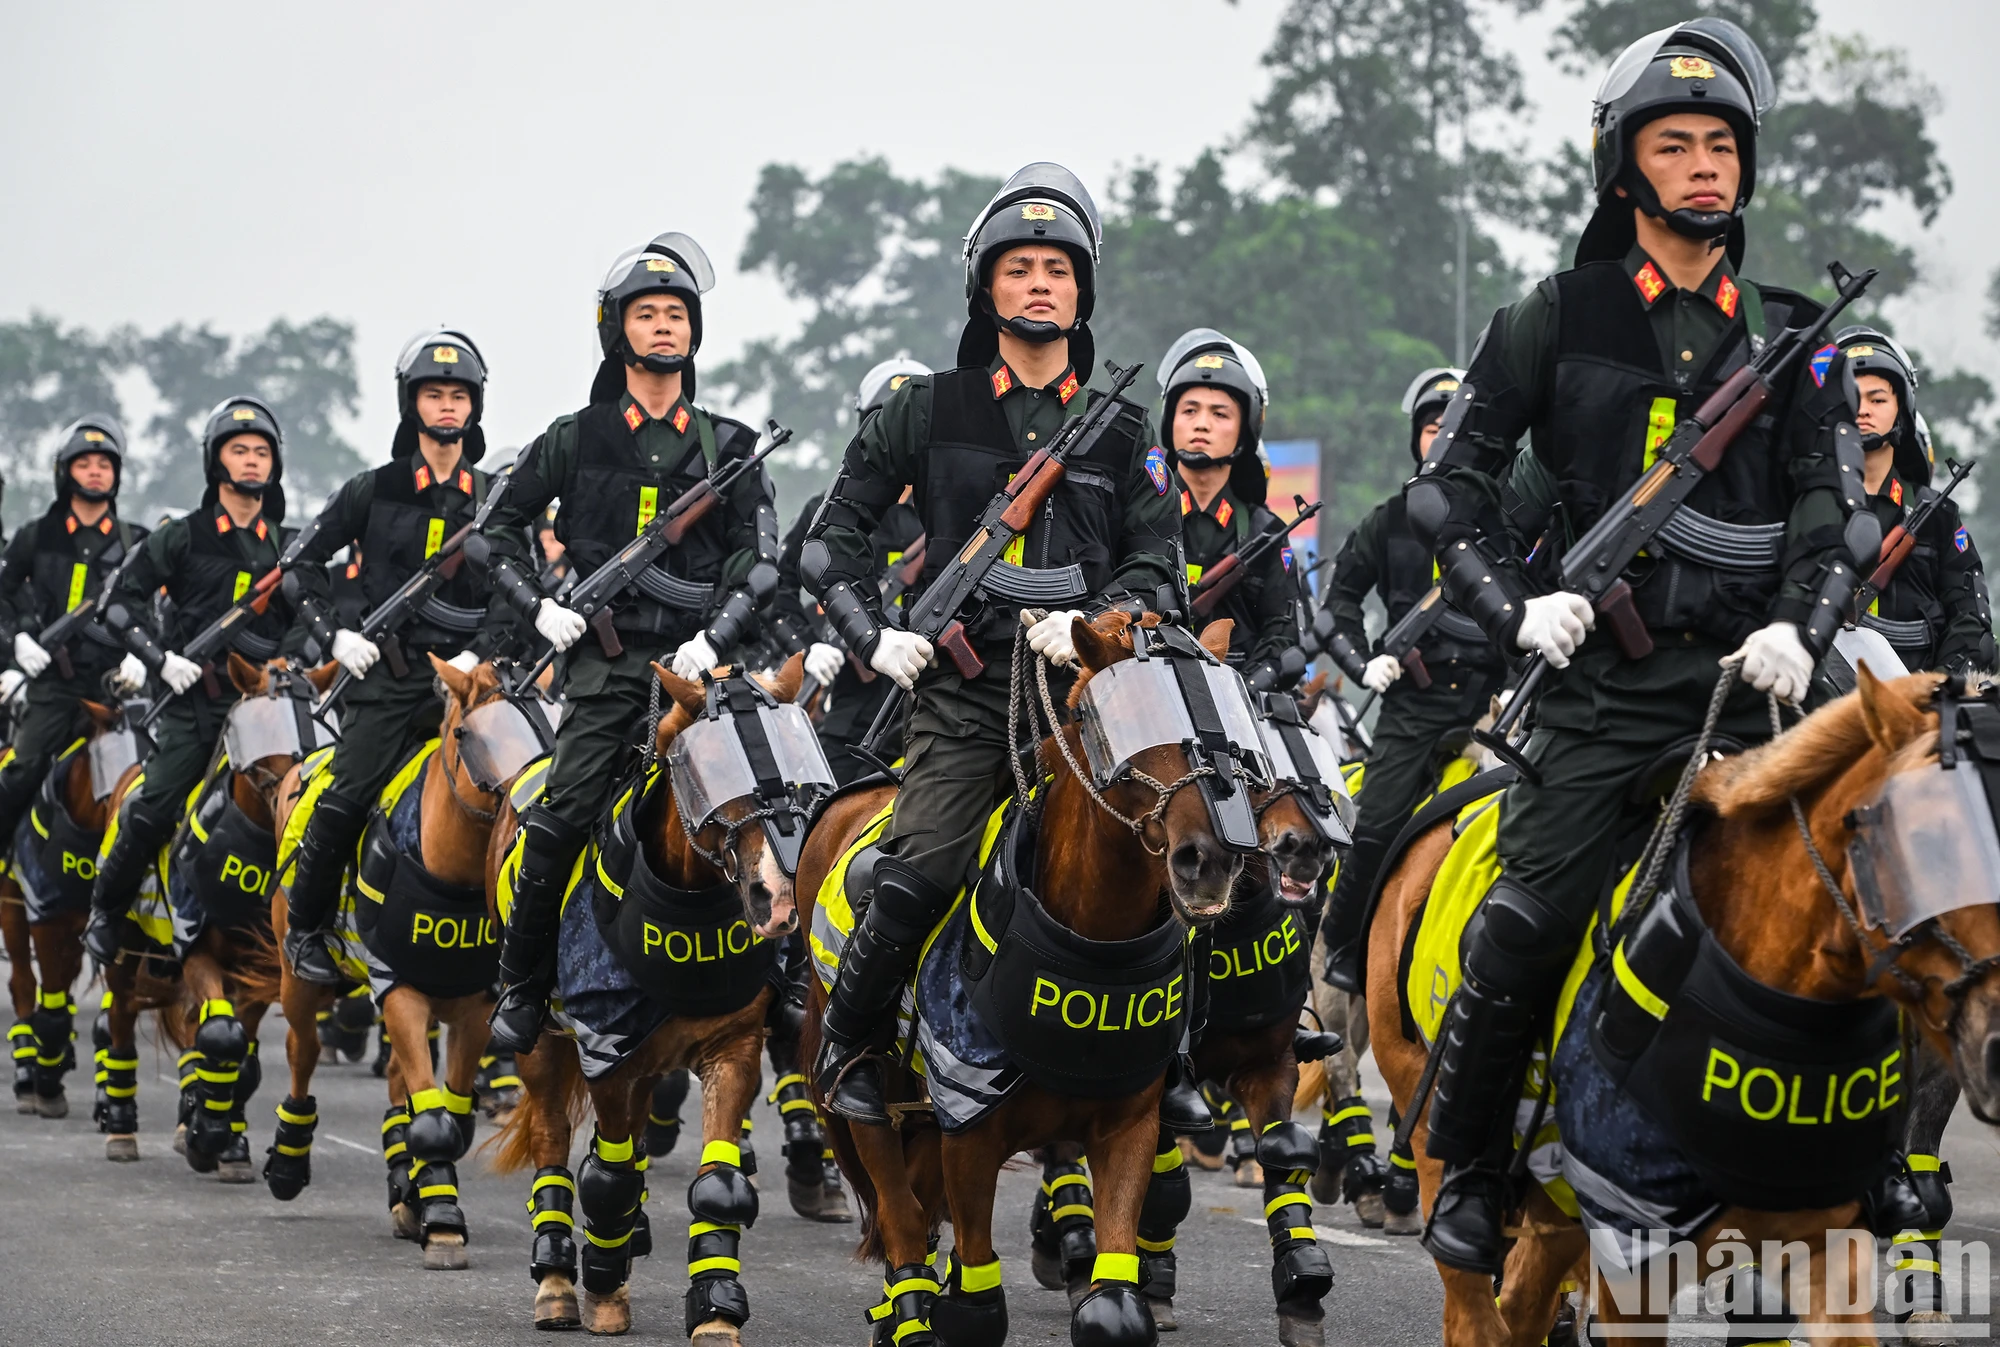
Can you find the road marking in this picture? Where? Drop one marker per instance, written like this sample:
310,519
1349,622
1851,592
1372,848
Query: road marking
351,1145
1329,1235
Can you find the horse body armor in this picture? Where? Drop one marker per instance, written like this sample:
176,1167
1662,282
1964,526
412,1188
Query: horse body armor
1256,962
55,860
435,936
220,872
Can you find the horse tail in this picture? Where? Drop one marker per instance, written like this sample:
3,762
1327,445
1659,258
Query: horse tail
869,1248
560,1082
255,970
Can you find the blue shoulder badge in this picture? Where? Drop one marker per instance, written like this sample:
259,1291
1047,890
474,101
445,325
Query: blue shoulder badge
1822,358
1156,468
1285,554
1961,539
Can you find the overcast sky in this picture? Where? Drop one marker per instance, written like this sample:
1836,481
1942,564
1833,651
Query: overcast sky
480,165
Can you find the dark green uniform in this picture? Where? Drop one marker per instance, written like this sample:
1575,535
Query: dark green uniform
1935,610
1260,604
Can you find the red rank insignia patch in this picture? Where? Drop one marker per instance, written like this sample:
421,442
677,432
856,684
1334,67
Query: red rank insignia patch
423,476
1003,379
465,481
634,417
1223,514
1649,283
1895,491
681,419
1726,296
1187,503
1068,388
263,530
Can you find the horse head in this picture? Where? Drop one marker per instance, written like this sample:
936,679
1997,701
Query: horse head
1304,816
111,756
730,842
270,719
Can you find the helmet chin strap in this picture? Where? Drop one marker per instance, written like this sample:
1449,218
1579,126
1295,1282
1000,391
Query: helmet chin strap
1712,225
656,364
86,493
445,434
1191,459
254,490
1030,330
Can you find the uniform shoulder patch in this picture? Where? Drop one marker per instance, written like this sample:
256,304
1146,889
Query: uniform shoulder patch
1726,297
1961,539
1821,360
681,419
1895,491
1156,468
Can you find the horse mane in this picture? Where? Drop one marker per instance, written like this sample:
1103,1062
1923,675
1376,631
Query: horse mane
1808,755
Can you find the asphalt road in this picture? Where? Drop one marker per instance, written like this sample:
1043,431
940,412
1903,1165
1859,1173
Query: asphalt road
152,1253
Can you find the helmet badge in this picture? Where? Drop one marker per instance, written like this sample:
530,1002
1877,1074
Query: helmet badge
1691,68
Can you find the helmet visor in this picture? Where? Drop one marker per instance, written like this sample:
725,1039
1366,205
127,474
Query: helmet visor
878,383
1196,340
689,254
440,353
1434,378
1926,847
1743,52
111,755
273,726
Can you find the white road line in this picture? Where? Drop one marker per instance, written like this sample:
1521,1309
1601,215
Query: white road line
351,1145
1328,1234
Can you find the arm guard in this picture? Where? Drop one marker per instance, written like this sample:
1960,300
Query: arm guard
856,626
731,620
1482,591
1351,661
518,592
1837,583
318,623
119,620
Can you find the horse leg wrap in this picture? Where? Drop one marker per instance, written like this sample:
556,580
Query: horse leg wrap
971,1311
439,1126
609,1186
1301,1274
288,1164
54,1021
1931,1177
438,1211
1072,1216
1242,1141
1169,1196
642,1224
21,1046
805,1139
903,1316
722,1191
1918,1284
1755,1310
435,1142
1399,1186
496,1076
1347,1140
396,1154
551,1205
117,1110
223,1045
353,1016
1114,1314
714,1266
663,1118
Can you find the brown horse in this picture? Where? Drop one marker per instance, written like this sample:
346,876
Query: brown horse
1103,882
721,1049
454,829
1760,896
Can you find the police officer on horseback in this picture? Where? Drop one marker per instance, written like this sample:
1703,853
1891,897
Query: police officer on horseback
955,437
397,516
51,567
1463,666
616,463
1597,363
1214,398
206,561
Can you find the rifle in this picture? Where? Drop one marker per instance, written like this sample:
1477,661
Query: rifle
1401,640
1902,539
903,576
593,596
1218,580
55,637
395,611
1595,566
217,634
1007,516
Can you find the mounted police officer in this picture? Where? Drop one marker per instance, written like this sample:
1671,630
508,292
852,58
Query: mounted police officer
955,437
616,463
851,698
1598,363
59,562
1934,611
397,516
1213,399
1464,667
206,561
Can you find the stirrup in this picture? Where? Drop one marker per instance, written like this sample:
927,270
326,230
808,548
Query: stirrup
310,959
852,1083
516,1021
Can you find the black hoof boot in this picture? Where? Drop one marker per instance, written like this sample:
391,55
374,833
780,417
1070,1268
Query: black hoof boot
288,1163
1466,1225
963,1317
663,1117
1113,1315
1182,1109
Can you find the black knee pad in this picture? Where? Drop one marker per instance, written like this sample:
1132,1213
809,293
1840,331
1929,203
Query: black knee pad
1287,1146
1518,944
1169,1197
1300,1278
609,1193
221,1038
1113,1315
433,1135
552,844
722,1195
970,1318
906,904
719,1297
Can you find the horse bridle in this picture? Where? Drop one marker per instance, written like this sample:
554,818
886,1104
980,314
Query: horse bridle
451,771
728,861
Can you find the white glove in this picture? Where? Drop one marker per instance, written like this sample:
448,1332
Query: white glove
29,654
1050,637
356,653
1381,672
128,677
11,681
464,661
559,626
902,655
179,672
1554,624
823,662
1775,660
695,657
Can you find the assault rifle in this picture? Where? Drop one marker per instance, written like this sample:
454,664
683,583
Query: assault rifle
395,612
55,637
1902,539
1218,580
1595,566
935,615
593,595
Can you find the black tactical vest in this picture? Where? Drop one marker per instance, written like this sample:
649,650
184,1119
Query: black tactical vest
1408,571
59,581
612,491
971,455
1609,391
402,533
219,569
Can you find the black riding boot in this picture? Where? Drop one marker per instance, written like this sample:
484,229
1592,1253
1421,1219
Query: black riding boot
873,967
142,831
314,895
528,950
1182,1109
17,792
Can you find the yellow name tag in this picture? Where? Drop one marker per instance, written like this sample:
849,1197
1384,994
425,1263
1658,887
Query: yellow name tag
79,575
433,537
1659,429
1194,574
242,586
649,505
1016,549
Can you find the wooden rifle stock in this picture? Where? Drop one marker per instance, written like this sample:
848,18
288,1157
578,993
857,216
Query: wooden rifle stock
700,499
1216,582
1715,442
1036,480
1896,548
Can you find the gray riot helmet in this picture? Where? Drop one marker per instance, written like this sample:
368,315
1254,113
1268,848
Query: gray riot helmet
96,434
435,355
1925,444
1203,357
672,263
1706,65
235,416
1869,350
1042,203
878,383
1425,400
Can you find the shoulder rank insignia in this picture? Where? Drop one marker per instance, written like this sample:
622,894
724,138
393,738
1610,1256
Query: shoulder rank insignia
1187,500
1961,540
1649,283
1068,387
1821,359
1156,468
1895,491
1224,512
423,476
634,418
465,481
681,419
1726,297
1003,379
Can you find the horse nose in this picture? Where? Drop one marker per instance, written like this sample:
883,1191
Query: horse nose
1199,864
1992,1063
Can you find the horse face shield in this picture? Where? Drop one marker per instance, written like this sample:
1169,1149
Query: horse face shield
751,747
1927,844
497,740
278,724
1301,757
111,753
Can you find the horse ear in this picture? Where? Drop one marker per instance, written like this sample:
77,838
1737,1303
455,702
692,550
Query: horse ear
785,685
250,679
688,696
1215,637
1098,648
456,681
1891,719
322,677
103,717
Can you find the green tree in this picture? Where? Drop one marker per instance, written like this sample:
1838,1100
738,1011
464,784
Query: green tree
49,376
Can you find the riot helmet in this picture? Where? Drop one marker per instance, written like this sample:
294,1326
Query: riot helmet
440,354
235,416
1041,203
1204,357
1706,65
878,383
1869,350
1425,400
673,263
96,434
